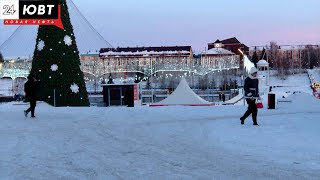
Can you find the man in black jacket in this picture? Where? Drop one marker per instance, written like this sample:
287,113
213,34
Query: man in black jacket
30,88
251,92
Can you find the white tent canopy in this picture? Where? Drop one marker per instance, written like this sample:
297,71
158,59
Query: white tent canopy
184,96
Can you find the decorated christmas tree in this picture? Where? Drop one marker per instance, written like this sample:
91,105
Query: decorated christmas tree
56,64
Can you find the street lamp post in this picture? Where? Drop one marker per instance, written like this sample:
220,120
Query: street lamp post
207,87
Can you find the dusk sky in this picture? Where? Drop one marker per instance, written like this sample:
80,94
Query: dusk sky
198,22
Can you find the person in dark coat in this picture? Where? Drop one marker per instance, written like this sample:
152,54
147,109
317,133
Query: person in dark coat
223,97
30,88
251,91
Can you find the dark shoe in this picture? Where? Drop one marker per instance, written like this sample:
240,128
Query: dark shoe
242,120
25,113
33,117
255,124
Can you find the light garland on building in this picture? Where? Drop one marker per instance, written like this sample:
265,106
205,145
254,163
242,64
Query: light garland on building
101,68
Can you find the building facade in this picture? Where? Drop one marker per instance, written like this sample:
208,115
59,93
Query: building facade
231,44
90,63
217,58
146,58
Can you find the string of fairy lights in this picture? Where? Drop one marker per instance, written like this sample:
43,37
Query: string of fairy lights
15,69
153,68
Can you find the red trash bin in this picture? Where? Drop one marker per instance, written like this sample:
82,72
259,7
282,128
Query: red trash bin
271,101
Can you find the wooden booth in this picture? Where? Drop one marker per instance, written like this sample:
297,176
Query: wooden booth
118,95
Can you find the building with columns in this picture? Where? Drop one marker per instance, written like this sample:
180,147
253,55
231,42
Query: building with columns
216,58
144,55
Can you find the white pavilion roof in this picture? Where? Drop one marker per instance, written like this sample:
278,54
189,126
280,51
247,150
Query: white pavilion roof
263,62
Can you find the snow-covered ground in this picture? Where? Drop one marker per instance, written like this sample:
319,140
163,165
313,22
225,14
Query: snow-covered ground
293,84
161,143
294,80
297,83
314,75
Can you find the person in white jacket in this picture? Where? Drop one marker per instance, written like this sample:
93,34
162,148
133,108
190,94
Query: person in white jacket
251,90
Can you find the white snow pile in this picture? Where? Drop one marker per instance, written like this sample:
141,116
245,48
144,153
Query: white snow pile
314,75
294,80
302,102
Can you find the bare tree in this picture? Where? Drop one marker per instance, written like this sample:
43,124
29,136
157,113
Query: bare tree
283,65
318,56
273,54
300,59
310,57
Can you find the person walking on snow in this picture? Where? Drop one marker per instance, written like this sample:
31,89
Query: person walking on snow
251,92
30,88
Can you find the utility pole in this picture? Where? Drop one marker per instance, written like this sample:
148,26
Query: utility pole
309,58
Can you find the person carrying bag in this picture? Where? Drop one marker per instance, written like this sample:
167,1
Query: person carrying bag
251,91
